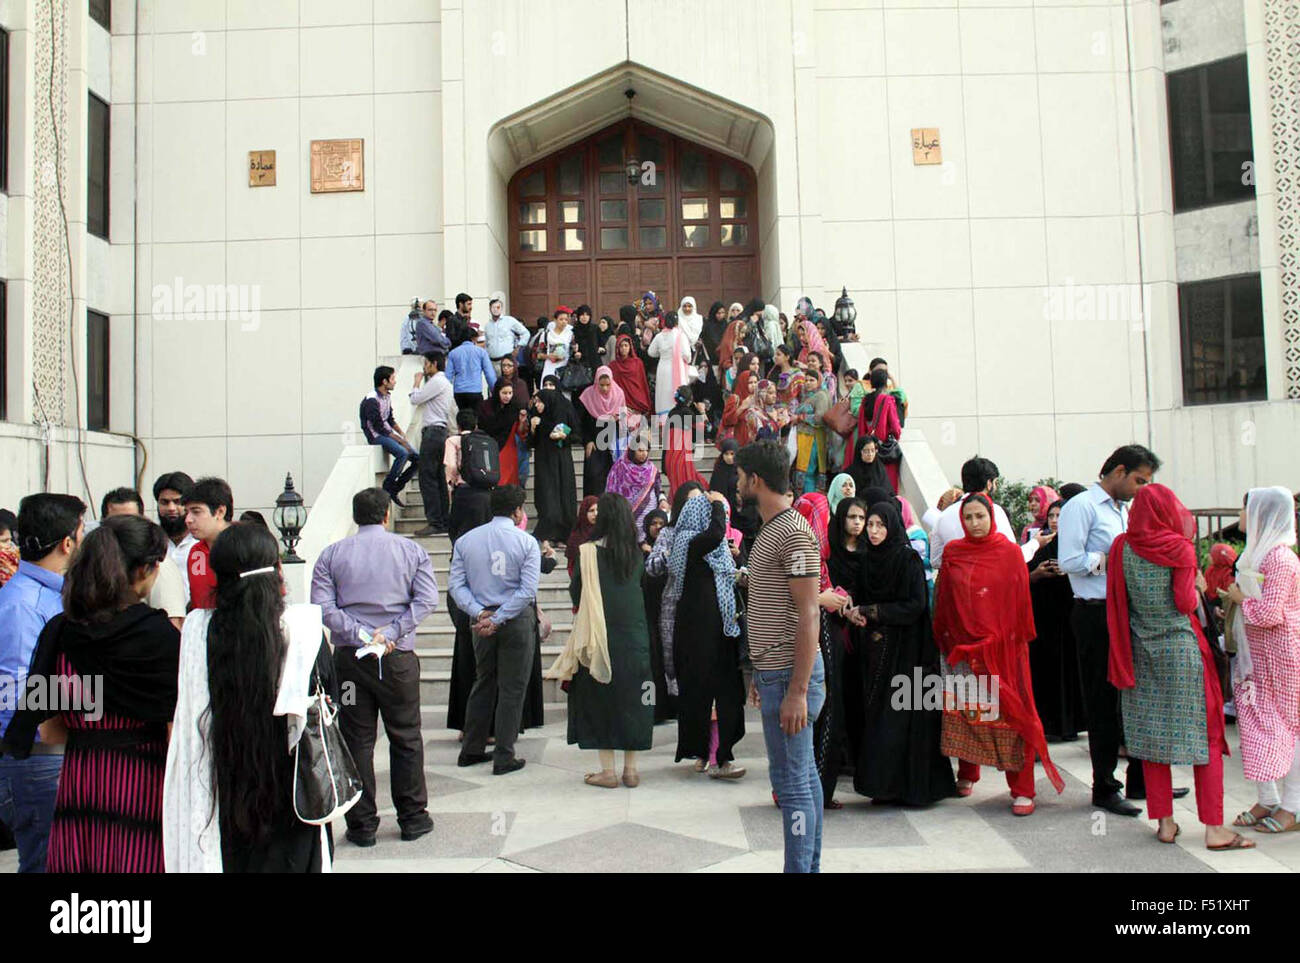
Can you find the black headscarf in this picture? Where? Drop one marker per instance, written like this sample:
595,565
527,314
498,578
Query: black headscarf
888,565
844,565
726,477
650,516
496,419
866,475
587,339
712,332
136,653
558,411
874,495
627,322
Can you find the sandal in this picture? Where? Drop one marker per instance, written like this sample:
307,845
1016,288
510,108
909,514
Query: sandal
834,804
631,779
1237,841
701,765
965,790
601,779
1272,825
1177,829
1248,818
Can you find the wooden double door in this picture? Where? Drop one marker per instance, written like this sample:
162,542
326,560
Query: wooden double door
606,284
631,209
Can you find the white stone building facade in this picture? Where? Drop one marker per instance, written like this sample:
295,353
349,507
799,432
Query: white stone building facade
1000,284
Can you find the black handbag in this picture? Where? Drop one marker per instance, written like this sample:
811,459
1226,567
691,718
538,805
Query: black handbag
574,377
326,783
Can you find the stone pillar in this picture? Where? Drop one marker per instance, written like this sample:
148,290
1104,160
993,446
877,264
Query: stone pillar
1282,46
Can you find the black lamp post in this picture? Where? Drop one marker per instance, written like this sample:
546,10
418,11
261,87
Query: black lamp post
290,517
845,312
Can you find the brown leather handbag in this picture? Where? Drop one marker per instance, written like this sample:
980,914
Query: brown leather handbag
839,418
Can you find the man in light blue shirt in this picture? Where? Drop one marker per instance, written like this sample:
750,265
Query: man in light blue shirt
49,531
495,569
503,335
1088,525
468,367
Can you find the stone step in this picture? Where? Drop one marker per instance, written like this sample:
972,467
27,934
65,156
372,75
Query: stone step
435,687
438,658
429,634
433,715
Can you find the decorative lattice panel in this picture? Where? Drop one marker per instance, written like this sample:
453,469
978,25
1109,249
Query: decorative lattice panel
1282,41
49,254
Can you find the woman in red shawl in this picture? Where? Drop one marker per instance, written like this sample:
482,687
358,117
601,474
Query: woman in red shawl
679,451
1161,662
582,529
1040,500
983,624
629,374
1220,573
734,423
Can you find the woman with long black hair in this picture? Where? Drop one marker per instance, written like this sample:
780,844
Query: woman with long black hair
108,810
608,655
248,668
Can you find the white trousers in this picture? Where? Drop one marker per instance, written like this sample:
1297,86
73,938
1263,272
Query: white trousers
1284,791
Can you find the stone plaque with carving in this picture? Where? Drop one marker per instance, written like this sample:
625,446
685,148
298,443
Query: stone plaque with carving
925,146
336,165
261,168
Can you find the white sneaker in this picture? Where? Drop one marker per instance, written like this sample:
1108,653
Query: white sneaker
728,770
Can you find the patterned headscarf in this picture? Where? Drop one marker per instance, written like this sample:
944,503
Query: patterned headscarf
694,519
814,342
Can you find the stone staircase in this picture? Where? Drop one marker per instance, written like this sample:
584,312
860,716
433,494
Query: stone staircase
435,637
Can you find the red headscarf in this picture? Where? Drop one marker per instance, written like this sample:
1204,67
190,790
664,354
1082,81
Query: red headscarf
983,616
1219,573
580,532
629,374
817,511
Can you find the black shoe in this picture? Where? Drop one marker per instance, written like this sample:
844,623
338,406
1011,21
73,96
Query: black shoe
429,531
397,499
1116,804
358,838
473,758
412,833
1180,791
509,766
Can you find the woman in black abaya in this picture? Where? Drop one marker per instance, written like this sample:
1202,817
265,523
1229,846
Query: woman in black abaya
556,490
1053,662
898,758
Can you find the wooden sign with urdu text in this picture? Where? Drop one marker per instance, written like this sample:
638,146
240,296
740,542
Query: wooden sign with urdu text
261,168
925,146
336,165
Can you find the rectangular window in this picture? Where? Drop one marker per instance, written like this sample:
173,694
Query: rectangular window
97,364
1209,134
101,12
1222,328
4,111
97,168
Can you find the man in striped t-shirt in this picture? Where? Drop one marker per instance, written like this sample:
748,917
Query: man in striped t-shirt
783,623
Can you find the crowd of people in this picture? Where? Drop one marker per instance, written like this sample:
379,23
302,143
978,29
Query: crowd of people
875,643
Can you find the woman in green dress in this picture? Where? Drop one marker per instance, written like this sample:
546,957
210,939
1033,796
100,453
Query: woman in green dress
611,695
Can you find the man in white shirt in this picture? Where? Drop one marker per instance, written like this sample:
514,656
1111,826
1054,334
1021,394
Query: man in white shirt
433,398
169,493
977,475
169,588
503,335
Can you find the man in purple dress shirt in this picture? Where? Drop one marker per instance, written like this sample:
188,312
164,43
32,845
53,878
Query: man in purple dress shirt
377,587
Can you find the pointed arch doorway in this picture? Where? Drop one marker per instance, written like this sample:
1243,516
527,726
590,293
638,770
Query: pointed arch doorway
582,232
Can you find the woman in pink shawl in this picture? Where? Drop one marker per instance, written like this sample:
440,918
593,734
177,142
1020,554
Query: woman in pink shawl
1040,500
603,419
636,478
813,343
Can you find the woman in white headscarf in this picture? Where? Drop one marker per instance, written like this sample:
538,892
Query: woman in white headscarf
689,319
772,325
1266,673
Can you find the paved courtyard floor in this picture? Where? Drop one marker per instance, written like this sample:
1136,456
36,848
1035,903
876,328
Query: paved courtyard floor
544,819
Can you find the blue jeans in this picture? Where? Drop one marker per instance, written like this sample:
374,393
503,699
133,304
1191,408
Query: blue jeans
27,790
523,461
401,455
792,768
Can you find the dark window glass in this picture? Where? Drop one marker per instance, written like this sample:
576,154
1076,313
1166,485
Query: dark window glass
695,171
652,209
613,210
649,148
652,238
97,169
1222,326
609,152
571,174
613,182
101,12
613,239
97,362
534,184
1209,134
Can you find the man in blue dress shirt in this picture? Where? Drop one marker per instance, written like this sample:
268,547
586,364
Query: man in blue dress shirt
495,569
1088,525
49,531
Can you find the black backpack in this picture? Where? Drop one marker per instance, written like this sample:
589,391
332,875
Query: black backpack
480,460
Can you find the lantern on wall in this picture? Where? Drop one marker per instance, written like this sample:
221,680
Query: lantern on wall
845,312
290,516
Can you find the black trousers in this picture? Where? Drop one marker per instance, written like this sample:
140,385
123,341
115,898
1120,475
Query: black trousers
396,699
503,665
1101,703
433,476
468,400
